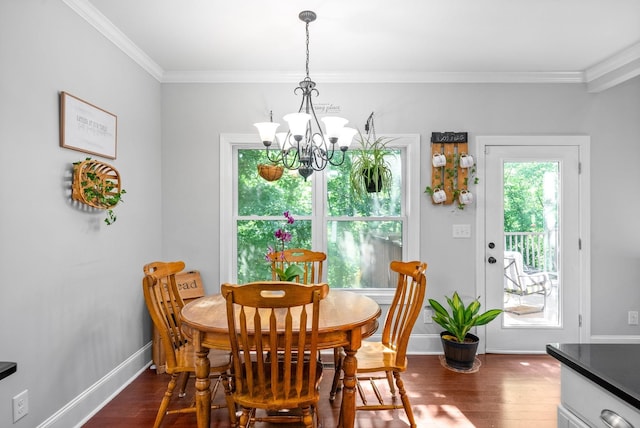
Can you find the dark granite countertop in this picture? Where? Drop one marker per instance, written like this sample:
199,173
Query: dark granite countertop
615,367
7,368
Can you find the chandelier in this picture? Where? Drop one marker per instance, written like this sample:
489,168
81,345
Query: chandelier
305,147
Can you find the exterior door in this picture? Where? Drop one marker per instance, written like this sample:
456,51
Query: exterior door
532,256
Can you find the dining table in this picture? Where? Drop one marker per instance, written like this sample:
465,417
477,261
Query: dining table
346,317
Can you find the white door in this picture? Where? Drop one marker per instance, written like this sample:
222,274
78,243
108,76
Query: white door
532,254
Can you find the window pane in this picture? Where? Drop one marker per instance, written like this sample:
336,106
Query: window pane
254,238
342,201
359,253
256,196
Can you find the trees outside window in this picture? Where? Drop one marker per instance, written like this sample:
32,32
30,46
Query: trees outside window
360,236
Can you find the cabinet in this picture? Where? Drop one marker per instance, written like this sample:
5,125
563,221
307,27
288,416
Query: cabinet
190,288
566,419
585,403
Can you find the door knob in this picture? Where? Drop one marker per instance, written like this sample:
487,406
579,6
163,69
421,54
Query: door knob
492,260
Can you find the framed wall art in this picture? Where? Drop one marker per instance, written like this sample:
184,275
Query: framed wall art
87,128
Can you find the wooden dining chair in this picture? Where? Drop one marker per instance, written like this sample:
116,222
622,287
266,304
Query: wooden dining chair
273,331
310,261
389,355
164,304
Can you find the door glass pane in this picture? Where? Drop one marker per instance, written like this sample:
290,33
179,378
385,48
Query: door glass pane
359,253
531,230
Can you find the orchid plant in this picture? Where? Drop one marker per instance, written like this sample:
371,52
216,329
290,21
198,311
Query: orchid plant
282,237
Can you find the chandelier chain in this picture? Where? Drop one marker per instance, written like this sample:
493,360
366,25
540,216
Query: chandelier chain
307,63
308,148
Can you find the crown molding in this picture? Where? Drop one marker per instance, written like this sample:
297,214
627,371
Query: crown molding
372,77
616,69
100,22
610,72
614,62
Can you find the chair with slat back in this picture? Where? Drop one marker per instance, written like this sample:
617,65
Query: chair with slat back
164,304
273,331
389,355
311,263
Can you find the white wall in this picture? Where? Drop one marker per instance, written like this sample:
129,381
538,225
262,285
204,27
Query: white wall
71,306
194,115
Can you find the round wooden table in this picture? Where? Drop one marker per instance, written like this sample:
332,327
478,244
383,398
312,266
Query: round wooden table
345,319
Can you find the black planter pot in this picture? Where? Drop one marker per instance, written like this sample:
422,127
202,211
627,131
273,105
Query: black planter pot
460,355
371,182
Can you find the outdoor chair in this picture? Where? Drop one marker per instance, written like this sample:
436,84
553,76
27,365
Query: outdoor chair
519,283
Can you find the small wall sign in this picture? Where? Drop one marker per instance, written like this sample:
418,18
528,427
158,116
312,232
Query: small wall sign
87,128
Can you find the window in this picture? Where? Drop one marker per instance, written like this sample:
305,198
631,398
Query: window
359,237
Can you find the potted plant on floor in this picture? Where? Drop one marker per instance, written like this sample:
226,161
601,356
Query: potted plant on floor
458,344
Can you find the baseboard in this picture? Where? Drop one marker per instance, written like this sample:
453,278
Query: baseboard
615,339
79,410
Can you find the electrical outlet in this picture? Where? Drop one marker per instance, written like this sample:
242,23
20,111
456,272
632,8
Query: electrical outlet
20,405
428,313
633,317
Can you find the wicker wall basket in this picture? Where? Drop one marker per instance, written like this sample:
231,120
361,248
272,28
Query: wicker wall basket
270,172
95,183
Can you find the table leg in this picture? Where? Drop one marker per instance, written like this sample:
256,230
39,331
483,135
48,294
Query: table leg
203,384
348,407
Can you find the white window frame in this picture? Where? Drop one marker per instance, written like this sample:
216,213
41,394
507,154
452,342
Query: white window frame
410,143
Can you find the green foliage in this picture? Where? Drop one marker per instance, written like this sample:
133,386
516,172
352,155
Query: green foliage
290,273
524,200
101,193
461,319
369,164
451,179
261,204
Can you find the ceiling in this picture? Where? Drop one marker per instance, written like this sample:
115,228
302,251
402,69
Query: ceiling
579,41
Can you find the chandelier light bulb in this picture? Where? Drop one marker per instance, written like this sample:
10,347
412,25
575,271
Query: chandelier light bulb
267,131
333,127
297,124
346,137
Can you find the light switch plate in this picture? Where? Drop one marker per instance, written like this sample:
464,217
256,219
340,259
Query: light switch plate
462,231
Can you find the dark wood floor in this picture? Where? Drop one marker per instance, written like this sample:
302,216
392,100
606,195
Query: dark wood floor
510,391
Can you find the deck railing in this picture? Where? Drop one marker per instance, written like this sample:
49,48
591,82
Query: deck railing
539,249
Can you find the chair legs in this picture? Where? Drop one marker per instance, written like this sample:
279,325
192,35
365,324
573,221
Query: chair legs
164,404
405,399
338,358
337,378
248,417
399,384
228,396
181,379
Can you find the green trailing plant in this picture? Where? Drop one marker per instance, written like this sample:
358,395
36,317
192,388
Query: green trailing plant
462,318
370,167
100,192
450,177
